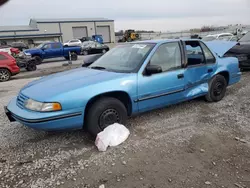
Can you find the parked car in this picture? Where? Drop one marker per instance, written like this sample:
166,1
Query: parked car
130,79
8,67
53,50
242,51
92,47
10,50
245,39
221,36
26,61
83,39
73,42
19,45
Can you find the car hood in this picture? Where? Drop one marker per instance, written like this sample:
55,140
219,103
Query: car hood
56,84
32,49
220,47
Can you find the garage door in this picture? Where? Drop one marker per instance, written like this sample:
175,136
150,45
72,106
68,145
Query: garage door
105,32
79,32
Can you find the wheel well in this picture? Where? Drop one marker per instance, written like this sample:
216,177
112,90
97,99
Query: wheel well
226,75
6,69
120,95
36,55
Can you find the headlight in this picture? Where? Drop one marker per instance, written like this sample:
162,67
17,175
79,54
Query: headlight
42,107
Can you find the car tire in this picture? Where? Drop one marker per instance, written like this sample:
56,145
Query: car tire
38,59
104,112
217,88
85,52
74,56
5,75
31,66
104,51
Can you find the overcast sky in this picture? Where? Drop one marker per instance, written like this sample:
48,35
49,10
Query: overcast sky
160,15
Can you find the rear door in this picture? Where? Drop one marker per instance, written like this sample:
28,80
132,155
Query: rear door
57,50
200,67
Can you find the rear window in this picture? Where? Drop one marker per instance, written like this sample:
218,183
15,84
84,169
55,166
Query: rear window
2,57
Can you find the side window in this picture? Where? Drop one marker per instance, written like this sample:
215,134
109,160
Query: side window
208,54
47,46
2,57
55,45
194,53
167,56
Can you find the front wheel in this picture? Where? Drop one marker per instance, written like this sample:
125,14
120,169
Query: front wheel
38,60
217,89
5,75
104,112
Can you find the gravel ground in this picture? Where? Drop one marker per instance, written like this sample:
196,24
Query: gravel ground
193,144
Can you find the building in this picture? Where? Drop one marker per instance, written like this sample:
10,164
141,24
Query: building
40,30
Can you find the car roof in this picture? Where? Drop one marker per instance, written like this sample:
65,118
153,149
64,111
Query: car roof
160,41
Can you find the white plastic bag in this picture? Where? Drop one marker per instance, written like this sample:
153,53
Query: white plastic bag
113,135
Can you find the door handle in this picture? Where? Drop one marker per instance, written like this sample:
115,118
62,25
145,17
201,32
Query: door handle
179,76
210,70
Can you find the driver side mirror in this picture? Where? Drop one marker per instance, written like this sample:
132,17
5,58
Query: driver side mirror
153,69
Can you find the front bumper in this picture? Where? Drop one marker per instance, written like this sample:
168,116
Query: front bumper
48,121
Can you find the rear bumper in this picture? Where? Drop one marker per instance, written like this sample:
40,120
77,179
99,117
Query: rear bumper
235,78
52,121
15,70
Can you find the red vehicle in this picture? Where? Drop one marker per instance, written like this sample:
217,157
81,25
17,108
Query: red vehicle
8,67
14,51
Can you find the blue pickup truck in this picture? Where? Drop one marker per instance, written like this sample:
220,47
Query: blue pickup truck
53,50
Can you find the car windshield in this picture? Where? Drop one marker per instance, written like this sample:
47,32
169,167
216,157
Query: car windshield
209,38
40,45
67,41
245,38
124,58
226,38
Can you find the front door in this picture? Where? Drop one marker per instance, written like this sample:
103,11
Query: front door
163,88
47,51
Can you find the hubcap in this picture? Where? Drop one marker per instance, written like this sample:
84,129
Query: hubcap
4,75
108,117
218,89
104,51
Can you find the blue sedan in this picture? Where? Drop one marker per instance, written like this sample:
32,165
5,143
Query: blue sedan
130,79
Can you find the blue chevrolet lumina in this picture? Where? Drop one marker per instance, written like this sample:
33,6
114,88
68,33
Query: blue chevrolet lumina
130,79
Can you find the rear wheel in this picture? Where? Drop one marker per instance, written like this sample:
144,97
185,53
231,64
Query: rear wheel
38,60
5,75
104,112
104,51
217,89
74,56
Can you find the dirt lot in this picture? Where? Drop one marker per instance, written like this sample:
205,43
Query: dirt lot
193,144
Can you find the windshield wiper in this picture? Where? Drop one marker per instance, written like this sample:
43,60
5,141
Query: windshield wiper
98,67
